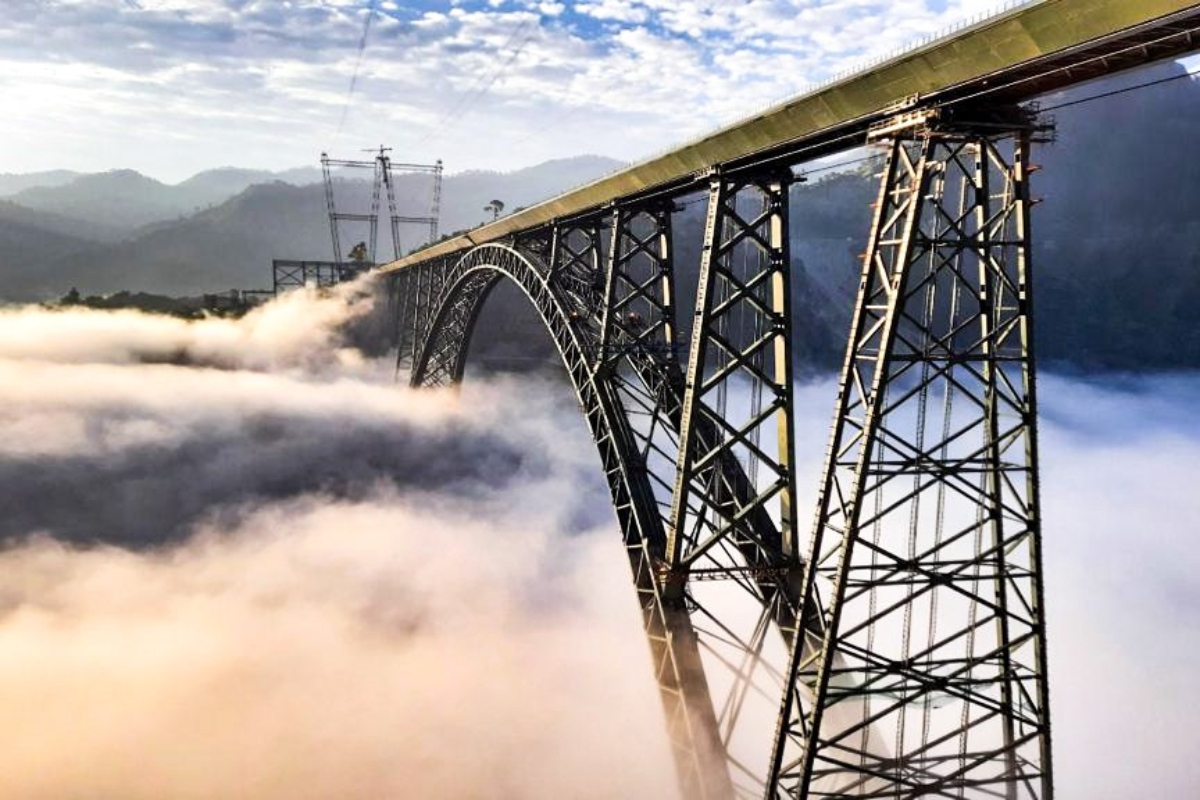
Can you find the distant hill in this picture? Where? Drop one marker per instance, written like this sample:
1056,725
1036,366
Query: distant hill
217,185
1118,261
228,246
121,199
57,223
11,183
232,244
25,250
125,200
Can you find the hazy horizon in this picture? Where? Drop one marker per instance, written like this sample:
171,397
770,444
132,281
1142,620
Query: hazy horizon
315,167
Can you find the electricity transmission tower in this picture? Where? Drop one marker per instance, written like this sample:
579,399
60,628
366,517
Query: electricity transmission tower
349,225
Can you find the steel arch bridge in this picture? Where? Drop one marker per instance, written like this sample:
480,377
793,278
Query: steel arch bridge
897,650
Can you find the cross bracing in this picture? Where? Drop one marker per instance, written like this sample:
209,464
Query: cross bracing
893,645
931,479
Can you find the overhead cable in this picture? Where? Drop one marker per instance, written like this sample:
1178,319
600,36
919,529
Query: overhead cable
362,46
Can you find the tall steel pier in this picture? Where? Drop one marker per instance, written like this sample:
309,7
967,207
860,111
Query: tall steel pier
896,648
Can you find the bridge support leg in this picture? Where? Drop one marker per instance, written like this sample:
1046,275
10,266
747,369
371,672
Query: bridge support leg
741,336
403,308
634,358
927,675
731,554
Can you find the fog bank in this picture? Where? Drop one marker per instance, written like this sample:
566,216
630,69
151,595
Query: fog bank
238,561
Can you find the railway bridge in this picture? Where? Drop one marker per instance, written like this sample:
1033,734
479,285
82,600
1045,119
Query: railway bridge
896,648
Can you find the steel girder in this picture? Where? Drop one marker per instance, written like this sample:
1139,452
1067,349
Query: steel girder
921,668
923,671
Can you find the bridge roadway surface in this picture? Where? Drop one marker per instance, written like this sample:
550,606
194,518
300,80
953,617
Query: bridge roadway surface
1014,56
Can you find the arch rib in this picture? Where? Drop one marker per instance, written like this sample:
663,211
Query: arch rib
440,360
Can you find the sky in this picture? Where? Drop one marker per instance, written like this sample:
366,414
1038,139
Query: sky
173,87
238,561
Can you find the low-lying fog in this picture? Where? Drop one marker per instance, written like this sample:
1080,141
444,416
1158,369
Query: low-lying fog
238,561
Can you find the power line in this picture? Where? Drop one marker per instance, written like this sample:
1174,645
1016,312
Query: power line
362,46
482,86
848,163
1123,90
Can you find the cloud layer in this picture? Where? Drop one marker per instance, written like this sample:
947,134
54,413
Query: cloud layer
300,580
174,86
324,650
238,561
130,428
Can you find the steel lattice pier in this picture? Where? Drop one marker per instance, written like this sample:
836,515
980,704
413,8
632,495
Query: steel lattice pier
898,649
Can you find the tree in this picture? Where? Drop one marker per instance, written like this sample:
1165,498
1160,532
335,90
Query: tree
496,206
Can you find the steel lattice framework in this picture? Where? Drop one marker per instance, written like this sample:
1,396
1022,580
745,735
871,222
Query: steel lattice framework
898,651
924,670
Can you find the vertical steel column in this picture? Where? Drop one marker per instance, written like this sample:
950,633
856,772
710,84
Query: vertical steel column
730,539
327,175
435,202
576,266
638,318
741,337
637,346
634,359
404,305
394,217
380,175
422,303
926,672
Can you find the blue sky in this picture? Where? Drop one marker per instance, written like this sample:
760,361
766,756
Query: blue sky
171,87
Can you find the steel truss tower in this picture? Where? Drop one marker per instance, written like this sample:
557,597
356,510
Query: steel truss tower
899,651
383,183
924,669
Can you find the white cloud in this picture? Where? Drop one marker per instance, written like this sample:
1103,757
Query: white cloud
375,636
173,87
628,11
319,649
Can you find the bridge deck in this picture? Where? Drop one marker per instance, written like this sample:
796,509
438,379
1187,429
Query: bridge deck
1024,52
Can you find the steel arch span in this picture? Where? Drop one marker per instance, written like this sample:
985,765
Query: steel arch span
461,290
899,651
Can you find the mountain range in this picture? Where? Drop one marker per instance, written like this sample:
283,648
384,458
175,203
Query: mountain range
121,230
1117,240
